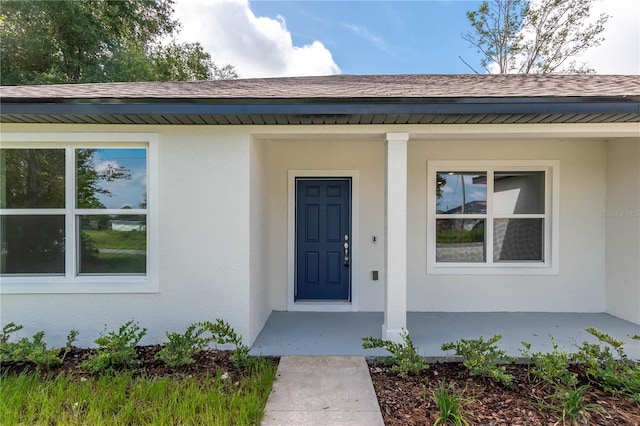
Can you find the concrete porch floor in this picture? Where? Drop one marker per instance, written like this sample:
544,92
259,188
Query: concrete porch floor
341,333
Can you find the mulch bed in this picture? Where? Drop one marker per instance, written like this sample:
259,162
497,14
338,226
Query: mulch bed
403,401
208,361
408,401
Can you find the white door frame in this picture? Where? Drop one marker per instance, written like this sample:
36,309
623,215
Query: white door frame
323,306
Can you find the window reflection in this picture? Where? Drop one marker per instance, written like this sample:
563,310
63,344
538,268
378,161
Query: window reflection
460,240
32,244
111,178
32,178
461,192
518,192
113,244
518,239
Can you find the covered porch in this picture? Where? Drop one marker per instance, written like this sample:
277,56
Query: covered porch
341,333
392,238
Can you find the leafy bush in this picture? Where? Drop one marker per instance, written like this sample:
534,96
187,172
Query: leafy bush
450,404
551,368
482,358
116,349
222,333
180,348
613,375
405,358
32,351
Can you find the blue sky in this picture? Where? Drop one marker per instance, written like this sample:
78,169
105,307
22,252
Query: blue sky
381,37
287,38
131,192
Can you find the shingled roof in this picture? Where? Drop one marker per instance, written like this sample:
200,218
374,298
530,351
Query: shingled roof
338,99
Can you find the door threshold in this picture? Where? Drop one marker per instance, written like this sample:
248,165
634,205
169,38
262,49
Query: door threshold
322,306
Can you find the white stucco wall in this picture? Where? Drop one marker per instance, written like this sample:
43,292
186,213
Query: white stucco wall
223,227
260,214
204,177
580,284
623,228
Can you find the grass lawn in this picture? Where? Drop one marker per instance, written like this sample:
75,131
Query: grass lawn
120,263
129,256
109,239
123,398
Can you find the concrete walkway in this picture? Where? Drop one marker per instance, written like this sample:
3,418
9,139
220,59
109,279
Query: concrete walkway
322,390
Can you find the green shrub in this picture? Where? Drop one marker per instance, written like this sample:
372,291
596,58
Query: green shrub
450,404
551,368
405,358
482,358
32,351
222,333
613,375
180,348
116,349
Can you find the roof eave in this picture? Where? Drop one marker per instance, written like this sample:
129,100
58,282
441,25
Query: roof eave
538,105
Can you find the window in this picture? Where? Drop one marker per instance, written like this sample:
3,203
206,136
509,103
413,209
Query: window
496,218
75,217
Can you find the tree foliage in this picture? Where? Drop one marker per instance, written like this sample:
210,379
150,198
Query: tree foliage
543,36
81,41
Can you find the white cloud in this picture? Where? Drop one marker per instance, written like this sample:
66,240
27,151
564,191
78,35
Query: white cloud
619,53
257,46
103,166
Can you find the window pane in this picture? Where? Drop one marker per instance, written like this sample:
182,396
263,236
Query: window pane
518,239
31,178
461,193
111,178
32,244
518,192
113,244
460,240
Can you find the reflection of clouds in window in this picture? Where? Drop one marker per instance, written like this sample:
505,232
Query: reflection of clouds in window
477,194
456,191
106,165
124,192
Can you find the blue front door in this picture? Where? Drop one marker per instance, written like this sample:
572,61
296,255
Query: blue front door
323,239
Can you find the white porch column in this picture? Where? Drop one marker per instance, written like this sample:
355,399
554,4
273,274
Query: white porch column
395,283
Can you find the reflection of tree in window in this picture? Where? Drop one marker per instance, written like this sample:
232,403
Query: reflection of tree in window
34,242
88,179
32,179
441,181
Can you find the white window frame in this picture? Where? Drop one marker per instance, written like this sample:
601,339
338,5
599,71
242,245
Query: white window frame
71,281
550,265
